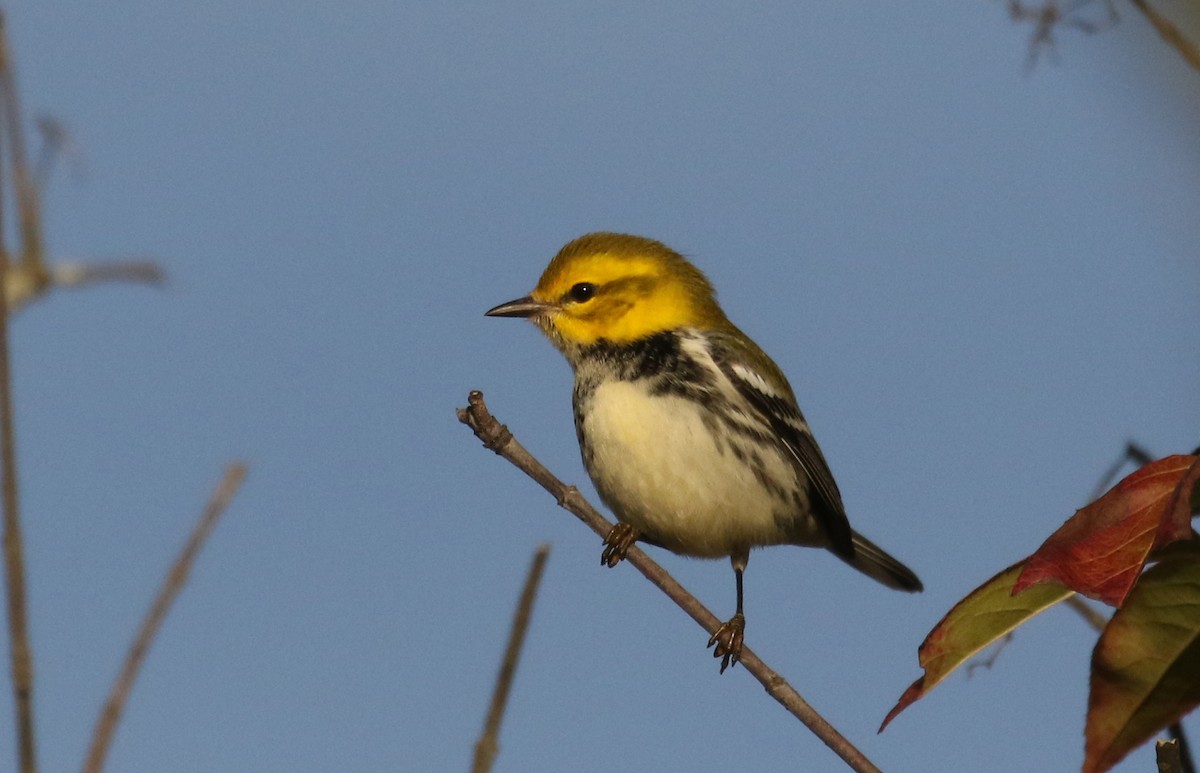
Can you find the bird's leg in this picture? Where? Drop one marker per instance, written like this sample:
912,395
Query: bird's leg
728,638
617,543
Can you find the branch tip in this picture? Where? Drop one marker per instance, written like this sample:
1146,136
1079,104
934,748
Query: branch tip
494,435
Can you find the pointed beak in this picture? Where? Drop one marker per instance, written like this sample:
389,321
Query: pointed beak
521,307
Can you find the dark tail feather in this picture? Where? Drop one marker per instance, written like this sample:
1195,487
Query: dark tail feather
871,560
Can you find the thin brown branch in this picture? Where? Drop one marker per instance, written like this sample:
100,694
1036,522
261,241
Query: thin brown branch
1132,452
23,286
20,651
28,204
110,715
56,144
987,662
1170,33
498,438
1087,612
79,274
1166,755
1055,14
14,559
29,277
1182,748
488,745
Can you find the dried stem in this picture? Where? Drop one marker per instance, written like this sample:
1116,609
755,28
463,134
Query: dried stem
29,277
14,558
1182,748
498,438
1087,612
28,204
110,715
1170,33
488,744
23,285
20,651
1166,755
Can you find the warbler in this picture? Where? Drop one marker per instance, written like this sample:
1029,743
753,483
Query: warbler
689,431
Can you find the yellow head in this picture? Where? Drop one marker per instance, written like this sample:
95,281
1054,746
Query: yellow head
619,288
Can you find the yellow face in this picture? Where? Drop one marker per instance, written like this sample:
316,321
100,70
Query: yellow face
621,288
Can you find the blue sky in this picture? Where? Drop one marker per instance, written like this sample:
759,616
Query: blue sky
981,281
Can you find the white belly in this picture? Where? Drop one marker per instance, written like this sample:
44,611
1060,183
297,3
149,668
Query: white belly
659,468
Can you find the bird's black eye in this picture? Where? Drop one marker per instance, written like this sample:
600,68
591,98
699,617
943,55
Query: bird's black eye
584,291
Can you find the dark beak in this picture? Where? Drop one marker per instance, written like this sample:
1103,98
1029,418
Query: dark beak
521,307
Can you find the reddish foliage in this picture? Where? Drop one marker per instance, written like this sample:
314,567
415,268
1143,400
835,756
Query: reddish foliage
1101,550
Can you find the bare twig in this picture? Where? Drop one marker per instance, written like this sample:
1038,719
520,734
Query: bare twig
1056,13
23,285
57,143
14,559
488,744
1166,755
1170,33
20,651
110,715
28,204
498,438
80,274
1087,612
29,277
1132,452
1186,763
987,662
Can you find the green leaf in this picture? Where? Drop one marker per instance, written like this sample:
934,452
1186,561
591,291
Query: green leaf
990,612
1146,665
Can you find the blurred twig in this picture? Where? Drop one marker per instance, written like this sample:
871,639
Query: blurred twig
29,277
14,559
1186,762
987,662
1131,453
56,143
1166,754
110,715
1170,33
488,744
497,437
1052,14
20,652
25,284
29,217
1090,616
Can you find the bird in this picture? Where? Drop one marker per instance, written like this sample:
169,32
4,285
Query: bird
691,434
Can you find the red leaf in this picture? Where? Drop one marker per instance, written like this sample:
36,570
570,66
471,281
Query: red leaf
1184,504
1100,551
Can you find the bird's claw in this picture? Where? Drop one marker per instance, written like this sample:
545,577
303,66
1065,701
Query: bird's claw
728,640
617,543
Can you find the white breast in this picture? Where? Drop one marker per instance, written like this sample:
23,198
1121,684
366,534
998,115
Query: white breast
659,468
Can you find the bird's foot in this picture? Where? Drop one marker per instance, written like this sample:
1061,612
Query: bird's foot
728,641
617,543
